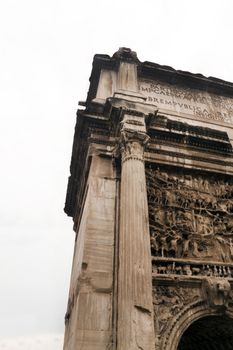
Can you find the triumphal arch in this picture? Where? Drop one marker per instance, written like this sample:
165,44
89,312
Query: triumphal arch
151,196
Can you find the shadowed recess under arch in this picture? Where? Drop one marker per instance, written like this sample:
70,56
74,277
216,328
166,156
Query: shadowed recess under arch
208,333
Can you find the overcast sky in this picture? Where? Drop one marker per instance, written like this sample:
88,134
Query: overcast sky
47,48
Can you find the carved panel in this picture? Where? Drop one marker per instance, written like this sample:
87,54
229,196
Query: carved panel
191,216
170,267
177,304
191,230
169,302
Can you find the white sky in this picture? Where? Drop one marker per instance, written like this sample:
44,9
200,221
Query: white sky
45,62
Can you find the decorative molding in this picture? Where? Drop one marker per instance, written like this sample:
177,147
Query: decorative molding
132,145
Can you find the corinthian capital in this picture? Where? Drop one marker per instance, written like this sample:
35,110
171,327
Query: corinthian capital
132,144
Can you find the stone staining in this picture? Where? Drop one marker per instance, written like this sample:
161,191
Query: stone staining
200,105
169,301
151,196
191,217
135,327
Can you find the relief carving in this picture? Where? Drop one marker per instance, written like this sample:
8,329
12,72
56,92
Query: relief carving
132,145
168,302
191,216
217,292
181,268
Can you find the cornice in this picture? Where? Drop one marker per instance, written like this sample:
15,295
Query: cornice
149,70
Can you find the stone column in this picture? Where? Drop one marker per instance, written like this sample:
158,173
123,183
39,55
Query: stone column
135,309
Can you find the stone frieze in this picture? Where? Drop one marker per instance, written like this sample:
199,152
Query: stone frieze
191,216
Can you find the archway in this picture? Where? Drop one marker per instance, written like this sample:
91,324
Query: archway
208,333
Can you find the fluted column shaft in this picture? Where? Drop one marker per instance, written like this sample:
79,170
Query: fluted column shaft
135,310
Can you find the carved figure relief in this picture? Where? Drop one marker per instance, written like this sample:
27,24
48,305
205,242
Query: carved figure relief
191,216
181,268
169,301
191,233
217,292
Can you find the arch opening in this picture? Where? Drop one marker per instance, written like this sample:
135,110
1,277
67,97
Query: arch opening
208,333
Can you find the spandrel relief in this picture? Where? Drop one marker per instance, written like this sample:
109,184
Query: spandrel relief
168,302
191,216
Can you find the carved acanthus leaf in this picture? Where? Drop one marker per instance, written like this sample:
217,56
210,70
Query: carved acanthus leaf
132,145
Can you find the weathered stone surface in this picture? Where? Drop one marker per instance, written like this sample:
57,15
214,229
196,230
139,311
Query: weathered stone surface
187,102
151,196
91,288
135,313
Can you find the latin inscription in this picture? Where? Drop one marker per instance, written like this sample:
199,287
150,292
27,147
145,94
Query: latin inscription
194,103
